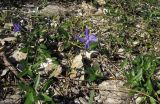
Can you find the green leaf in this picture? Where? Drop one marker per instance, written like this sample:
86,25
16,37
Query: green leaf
91,97
23,73
29,98
124,63
66,45
46,97
25,49
37,80
26,71
23,86
36,65
92,78
138,77
93,45
47,85
152,100
149,86
93,72
42,46
63,33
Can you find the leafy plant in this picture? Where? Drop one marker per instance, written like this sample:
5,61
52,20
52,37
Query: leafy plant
93,73
140,76
37,53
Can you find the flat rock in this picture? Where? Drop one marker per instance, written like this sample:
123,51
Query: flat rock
87,8
53,10
111,92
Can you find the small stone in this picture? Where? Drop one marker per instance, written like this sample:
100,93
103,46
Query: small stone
89,54
8,25
97,97
82,100
101,2
21,21
54,23
53,10
76,101
88,9
120,50
157,47
139,100
99,12
75,90
4,72
81,78
41,39
79,13
46,66
18,55
142,35
135,42
138,26
64,62
105,11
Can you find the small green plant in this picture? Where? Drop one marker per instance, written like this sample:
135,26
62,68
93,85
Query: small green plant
140,77
37,52
93,73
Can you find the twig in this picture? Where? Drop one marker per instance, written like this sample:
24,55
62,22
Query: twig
122,90
10,66
75,44
109,78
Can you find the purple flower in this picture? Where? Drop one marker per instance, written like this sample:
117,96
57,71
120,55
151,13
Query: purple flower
16,27
87,39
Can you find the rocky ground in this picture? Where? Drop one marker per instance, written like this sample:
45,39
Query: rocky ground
120,36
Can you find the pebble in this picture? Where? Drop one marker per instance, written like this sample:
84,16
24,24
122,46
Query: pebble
101,2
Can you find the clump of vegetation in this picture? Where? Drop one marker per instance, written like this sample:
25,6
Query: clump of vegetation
41,43
140,77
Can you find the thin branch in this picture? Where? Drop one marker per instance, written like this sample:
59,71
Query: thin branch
10,66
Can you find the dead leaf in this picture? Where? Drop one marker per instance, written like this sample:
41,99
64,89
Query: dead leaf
4,72
77,62
56,71
46,66
73,74
8,39
82,77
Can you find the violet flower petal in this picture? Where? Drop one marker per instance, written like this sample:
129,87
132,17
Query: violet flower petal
80,39
86,33
92,38
16,27
87,44
87,39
